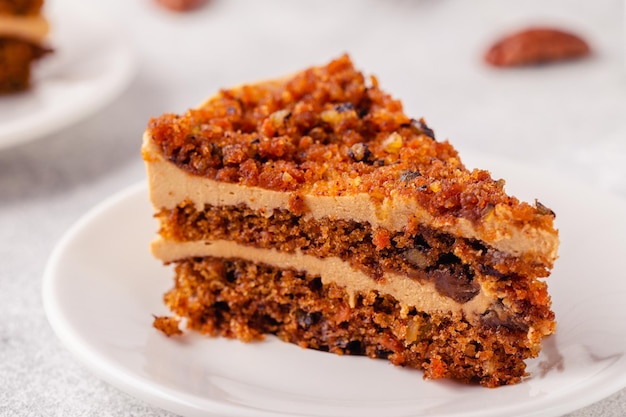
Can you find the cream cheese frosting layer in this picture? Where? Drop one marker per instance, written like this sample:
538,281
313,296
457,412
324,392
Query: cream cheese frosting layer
30,28
170,185
409,293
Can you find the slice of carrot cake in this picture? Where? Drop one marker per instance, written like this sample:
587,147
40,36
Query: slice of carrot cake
312,208
22,32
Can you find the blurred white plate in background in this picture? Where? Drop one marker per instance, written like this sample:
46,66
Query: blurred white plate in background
91,64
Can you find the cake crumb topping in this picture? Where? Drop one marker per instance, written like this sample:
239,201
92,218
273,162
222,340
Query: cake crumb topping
168,325
329,131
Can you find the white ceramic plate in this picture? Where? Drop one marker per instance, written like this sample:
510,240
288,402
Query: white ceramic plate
91,65
102,286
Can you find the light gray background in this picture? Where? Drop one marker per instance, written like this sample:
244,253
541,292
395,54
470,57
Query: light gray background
570,119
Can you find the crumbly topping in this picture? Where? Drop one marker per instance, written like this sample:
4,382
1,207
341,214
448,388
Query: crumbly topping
329,131
169,325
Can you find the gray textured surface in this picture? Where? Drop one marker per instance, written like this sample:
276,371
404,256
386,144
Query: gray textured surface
48,184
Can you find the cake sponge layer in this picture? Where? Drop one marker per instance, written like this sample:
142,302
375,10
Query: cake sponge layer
246,300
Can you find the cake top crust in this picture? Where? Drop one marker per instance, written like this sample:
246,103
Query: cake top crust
329,131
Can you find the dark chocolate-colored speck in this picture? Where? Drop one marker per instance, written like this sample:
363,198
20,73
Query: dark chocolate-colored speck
340,108
315,284
420,243
306,320
359,152
489,270
363,111
379,162
423,127
231,276
459,287
494,320
382,354
355,347
408,176
454,280
543,209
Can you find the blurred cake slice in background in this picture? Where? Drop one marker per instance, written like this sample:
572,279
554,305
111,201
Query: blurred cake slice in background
23,30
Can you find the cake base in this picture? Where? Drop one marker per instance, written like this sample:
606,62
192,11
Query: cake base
240,299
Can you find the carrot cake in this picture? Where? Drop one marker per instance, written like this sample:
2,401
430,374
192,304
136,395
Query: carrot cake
313,208
22,32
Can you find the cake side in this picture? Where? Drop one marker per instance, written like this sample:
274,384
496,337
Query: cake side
498,226
391,252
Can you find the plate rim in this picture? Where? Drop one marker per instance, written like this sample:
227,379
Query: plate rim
164,397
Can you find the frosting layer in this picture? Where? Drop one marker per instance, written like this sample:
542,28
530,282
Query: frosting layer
171,185
410,293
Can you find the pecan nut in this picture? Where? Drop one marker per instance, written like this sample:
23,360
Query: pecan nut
536,46
181,5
